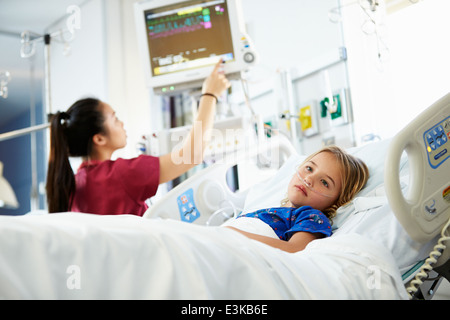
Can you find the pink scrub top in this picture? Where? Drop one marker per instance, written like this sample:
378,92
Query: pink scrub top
116,187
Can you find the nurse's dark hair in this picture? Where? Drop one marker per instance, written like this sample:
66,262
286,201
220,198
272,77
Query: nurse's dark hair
71,135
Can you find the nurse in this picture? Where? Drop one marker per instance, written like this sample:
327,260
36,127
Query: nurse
90,129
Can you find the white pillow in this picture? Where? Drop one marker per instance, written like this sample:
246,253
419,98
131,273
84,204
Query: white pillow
380,225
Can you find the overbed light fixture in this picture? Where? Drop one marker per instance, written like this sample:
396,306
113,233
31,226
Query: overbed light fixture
8,198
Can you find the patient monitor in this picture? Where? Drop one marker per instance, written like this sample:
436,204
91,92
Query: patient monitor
426,207
180,40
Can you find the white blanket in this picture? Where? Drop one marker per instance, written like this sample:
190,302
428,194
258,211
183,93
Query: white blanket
82,256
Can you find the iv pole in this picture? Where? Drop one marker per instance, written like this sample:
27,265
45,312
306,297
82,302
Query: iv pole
28,49
48,96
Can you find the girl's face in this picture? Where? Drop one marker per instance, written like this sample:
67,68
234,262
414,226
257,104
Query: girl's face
317,183
115,132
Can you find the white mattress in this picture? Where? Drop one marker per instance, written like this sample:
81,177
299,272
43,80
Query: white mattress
83,256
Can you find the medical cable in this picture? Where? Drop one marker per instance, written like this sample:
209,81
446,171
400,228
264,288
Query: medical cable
247,96
222,211
259,129
429,262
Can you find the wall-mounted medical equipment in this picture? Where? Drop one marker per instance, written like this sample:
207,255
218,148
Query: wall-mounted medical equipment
339,112
227,136
316,117
5,78
334,104
329,102
307,117
180,40
7,196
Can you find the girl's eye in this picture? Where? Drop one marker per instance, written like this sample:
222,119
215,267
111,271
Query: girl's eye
308,168
325,183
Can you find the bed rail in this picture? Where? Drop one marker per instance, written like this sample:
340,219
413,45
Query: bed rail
424,211
199,198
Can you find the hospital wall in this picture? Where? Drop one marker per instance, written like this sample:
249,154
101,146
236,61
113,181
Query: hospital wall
300,39
84,71
414,69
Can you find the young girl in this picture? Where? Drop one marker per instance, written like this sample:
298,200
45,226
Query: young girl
91,129
325,181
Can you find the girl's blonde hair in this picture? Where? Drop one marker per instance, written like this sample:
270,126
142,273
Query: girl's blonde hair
354,175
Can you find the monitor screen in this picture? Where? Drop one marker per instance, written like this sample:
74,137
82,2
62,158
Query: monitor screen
181,40
183,37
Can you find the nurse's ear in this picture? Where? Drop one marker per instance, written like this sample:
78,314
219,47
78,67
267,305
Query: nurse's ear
99,139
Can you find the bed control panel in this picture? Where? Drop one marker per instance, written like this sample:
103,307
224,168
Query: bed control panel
425,208
437,143
186,206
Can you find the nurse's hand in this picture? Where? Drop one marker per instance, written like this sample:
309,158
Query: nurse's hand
216,83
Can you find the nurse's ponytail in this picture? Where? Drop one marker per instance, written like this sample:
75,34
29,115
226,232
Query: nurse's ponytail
60,177
71,135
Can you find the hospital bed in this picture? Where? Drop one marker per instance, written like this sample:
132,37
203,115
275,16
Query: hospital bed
374,253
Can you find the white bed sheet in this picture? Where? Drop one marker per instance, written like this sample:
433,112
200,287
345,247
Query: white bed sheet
127,257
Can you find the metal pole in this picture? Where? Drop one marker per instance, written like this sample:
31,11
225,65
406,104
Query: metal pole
48,99
34,199
21,132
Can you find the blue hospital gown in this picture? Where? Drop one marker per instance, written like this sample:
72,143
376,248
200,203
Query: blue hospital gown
287,221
